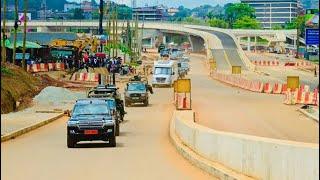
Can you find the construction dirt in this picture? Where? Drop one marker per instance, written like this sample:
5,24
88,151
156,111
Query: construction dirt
19,87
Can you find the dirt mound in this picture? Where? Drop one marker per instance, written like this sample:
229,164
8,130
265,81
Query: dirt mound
19,87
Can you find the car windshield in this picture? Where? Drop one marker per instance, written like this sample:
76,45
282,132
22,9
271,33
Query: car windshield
162,70
136,87
88,109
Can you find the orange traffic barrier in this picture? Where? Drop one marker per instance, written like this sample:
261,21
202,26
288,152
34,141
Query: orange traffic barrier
44,67
51,66
277,88
267,88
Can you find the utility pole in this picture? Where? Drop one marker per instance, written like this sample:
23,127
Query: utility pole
15,31
116,34
24,64
100,21
136,33
113,32
4,37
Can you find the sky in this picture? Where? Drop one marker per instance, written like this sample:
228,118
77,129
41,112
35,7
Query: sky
173,3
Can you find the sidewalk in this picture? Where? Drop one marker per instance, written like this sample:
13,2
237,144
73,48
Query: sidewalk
312,112
49,105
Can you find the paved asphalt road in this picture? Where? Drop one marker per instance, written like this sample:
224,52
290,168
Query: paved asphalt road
221,107
230,50
143,151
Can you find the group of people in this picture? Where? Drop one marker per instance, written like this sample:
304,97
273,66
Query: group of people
113,65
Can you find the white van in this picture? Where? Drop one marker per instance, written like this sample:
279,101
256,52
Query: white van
164,73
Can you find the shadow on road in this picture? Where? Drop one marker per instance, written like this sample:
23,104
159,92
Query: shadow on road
97,145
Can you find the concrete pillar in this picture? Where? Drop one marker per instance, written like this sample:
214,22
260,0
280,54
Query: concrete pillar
255,44
164,40
191,44
43,29
248,48
151,42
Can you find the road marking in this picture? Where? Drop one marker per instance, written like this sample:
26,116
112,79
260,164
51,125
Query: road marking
227,59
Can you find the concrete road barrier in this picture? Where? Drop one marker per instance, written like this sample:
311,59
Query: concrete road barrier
257,157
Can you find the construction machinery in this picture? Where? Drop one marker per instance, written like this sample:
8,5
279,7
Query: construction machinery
90,43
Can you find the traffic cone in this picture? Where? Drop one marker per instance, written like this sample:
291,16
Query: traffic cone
184,103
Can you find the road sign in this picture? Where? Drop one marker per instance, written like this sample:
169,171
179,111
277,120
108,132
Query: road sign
236,69
293,82
312,36
183,86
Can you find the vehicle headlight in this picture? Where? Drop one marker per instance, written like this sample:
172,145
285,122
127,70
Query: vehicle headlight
72,123
143,94
109,130
72,131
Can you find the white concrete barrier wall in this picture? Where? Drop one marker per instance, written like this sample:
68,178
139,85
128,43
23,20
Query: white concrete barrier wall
262,158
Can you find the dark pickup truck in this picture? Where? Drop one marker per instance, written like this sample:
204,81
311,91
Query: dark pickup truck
136,91
91,119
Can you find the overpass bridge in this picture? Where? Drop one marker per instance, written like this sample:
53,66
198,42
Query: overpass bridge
223,44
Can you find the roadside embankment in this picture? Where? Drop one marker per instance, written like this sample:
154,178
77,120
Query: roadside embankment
252,156
48,106
19,87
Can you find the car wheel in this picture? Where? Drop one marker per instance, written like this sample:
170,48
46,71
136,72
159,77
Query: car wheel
126,104
146,103
70,142
117,129
112,141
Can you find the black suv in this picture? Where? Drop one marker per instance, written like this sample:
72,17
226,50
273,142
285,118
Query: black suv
91,119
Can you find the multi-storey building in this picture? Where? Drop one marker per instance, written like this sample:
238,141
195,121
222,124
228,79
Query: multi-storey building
71,6
152,13
275,12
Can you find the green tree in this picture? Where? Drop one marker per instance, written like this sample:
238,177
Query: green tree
3,29
124,12
277,27
215,22
183,13
235,11
78,14
191,20
246,22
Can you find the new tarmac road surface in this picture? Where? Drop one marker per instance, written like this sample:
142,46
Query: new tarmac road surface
222,107
143,151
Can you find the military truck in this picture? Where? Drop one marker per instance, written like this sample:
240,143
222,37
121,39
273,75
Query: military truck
136,91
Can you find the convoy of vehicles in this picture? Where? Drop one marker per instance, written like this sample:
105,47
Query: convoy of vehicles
98,117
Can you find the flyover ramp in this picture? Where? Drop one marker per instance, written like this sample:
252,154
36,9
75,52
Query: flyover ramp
228,41
220,58
234,58
231,49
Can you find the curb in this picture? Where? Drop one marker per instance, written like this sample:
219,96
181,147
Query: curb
316,118
215,169
29,128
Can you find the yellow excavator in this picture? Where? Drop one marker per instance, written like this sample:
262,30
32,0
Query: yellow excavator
80,44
